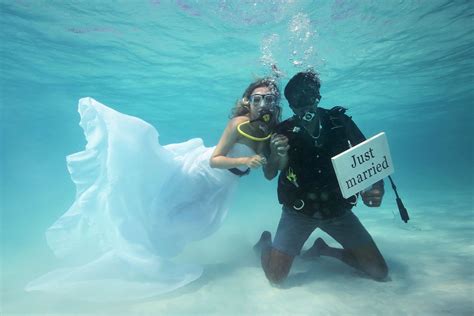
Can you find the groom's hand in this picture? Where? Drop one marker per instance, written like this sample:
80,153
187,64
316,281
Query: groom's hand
279,144
373,196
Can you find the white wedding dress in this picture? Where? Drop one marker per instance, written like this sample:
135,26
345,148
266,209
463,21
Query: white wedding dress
137,205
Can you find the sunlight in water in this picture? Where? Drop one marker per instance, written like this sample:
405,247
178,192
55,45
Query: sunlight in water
142,223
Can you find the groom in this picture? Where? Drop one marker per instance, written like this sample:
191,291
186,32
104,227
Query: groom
308,188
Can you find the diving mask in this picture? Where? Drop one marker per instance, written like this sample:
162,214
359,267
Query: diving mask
261,100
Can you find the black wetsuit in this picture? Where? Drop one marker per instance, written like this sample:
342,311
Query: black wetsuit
308,184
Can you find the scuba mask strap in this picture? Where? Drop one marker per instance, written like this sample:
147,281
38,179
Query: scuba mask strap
401,208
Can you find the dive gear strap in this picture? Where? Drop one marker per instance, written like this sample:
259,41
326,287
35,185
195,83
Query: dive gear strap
401,208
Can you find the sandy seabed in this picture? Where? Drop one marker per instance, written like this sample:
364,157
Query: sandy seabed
431,262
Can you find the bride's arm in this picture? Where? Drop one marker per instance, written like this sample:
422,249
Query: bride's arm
227,140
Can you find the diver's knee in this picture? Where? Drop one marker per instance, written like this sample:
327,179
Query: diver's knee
276,277
278,272
276,265
382,273
379,272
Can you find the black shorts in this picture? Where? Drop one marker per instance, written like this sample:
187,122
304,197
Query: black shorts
295,228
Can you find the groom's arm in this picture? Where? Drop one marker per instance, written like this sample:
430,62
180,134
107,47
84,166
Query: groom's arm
278,157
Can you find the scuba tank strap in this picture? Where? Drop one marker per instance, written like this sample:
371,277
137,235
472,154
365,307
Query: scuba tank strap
336,116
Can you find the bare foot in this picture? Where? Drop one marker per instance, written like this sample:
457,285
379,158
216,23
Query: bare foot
315,250
265,239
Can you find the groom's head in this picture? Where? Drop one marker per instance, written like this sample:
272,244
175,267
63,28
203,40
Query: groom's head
303,90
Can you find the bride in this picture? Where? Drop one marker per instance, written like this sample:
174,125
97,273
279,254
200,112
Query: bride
139,203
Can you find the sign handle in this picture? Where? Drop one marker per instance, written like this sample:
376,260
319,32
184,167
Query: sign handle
401,208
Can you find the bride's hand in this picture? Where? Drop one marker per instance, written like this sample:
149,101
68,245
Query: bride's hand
255,161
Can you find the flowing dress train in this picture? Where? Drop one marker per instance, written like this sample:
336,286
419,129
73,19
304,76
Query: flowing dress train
137,205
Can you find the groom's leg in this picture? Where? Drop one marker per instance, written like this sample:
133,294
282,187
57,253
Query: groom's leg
359,249
276,265
292,232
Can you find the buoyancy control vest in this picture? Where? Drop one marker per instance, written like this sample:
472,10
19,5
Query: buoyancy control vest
308,184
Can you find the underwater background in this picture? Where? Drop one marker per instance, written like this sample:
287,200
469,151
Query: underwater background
402,67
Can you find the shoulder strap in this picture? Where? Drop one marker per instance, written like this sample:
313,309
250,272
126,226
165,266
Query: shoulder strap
337,116
342,120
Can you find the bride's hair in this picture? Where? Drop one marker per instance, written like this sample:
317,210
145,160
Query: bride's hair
242,106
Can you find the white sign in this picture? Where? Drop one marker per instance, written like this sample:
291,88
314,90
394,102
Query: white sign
361,166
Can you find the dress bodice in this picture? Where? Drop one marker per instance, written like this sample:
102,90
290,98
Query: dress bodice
241,150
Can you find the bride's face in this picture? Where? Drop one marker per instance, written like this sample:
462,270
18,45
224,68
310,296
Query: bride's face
262,100
258,100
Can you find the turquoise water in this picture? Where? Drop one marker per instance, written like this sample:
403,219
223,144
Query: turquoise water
403,67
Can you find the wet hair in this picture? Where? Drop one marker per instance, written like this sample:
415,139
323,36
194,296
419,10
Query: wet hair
303,89
242,106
